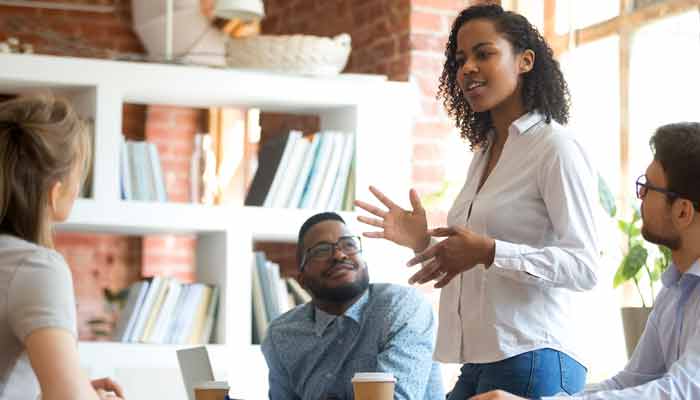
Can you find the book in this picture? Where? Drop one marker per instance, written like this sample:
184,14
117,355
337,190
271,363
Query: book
176,322
125,172
200,314
145,309
335,201
349,196
166,313
158,183
210,317
302,177
292,138
129,314
268,162
286,185
189,308
317,172
260,319
330,172
155,310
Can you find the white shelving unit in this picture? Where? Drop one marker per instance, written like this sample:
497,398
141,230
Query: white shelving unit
377,111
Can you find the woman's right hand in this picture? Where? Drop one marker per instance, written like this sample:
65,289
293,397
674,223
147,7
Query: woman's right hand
407,228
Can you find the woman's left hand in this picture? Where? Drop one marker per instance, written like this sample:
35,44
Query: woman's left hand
107,385
496,395
460,252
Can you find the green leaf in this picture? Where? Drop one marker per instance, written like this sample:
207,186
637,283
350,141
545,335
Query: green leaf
624,226
634,261
605,197
619,278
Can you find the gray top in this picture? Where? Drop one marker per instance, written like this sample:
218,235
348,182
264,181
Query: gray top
36,291
313,355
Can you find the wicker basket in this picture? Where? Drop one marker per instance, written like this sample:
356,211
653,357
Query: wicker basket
302,54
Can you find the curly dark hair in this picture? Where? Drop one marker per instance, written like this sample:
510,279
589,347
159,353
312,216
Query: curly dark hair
544,87
677,148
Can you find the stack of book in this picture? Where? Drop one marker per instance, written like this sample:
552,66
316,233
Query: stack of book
272,295
313,172
141,175
162,310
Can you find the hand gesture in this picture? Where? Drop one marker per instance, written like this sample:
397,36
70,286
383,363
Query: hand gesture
460,252
404,227
107,389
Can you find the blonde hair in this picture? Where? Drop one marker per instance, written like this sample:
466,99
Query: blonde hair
41,140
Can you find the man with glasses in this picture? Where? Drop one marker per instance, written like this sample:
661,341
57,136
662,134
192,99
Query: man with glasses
666,362
349,326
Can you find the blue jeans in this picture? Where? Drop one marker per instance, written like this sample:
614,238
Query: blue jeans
543,372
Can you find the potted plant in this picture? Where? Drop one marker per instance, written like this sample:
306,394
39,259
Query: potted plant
636,266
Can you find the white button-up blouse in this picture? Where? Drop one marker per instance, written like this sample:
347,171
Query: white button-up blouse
538,204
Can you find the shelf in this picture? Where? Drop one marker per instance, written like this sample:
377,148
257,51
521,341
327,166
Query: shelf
142,218
191,86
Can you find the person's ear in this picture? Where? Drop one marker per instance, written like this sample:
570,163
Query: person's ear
527,61
54,195
683,213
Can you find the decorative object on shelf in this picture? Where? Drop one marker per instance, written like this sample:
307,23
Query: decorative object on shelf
177,30
13,45
203,178
301,54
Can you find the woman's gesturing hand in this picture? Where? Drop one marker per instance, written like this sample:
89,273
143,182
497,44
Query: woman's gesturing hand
404,227
460,252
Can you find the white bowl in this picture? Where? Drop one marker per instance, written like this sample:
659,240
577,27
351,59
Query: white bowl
301,54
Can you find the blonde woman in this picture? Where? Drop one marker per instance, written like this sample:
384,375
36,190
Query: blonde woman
44,149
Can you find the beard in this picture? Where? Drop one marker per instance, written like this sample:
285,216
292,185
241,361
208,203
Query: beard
673,242
340,294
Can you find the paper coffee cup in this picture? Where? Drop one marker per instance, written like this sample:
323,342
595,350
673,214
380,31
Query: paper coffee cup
211,390
373,385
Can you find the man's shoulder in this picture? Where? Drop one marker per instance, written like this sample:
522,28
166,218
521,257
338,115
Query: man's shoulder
297,318
387,294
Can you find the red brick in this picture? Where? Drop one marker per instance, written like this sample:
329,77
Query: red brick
428,42
427,22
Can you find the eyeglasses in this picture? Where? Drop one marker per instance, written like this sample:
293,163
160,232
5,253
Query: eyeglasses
643,187
349,245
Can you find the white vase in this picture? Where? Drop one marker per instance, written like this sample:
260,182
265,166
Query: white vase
195,41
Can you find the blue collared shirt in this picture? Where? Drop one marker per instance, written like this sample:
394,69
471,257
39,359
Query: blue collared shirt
313,355
666,362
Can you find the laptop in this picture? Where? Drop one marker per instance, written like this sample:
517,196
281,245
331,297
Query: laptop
195,368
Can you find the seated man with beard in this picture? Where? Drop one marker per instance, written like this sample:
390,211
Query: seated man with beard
349,326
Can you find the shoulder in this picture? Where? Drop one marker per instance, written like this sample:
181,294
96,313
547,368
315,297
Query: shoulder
296,320
392,299
557,138
28,260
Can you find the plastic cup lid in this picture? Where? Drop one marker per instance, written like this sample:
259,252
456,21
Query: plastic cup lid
212,385
373,377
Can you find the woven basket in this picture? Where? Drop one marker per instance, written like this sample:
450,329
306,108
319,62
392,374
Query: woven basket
301,54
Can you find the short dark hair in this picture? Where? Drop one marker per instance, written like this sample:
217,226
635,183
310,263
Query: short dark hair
677,148
544,87
313,220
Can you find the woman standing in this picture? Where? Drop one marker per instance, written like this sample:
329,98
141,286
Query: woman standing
521,237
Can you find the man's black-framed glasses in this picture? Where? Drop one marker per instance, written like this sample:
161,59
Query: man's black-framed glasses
643,187
349,245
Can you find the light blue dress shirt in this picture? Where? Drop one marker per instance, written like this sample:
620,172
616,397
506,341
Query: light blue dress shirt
666,363
313,355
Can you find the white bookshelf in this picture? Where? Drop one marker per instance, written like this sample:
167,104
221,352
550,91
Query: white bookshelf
377,111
